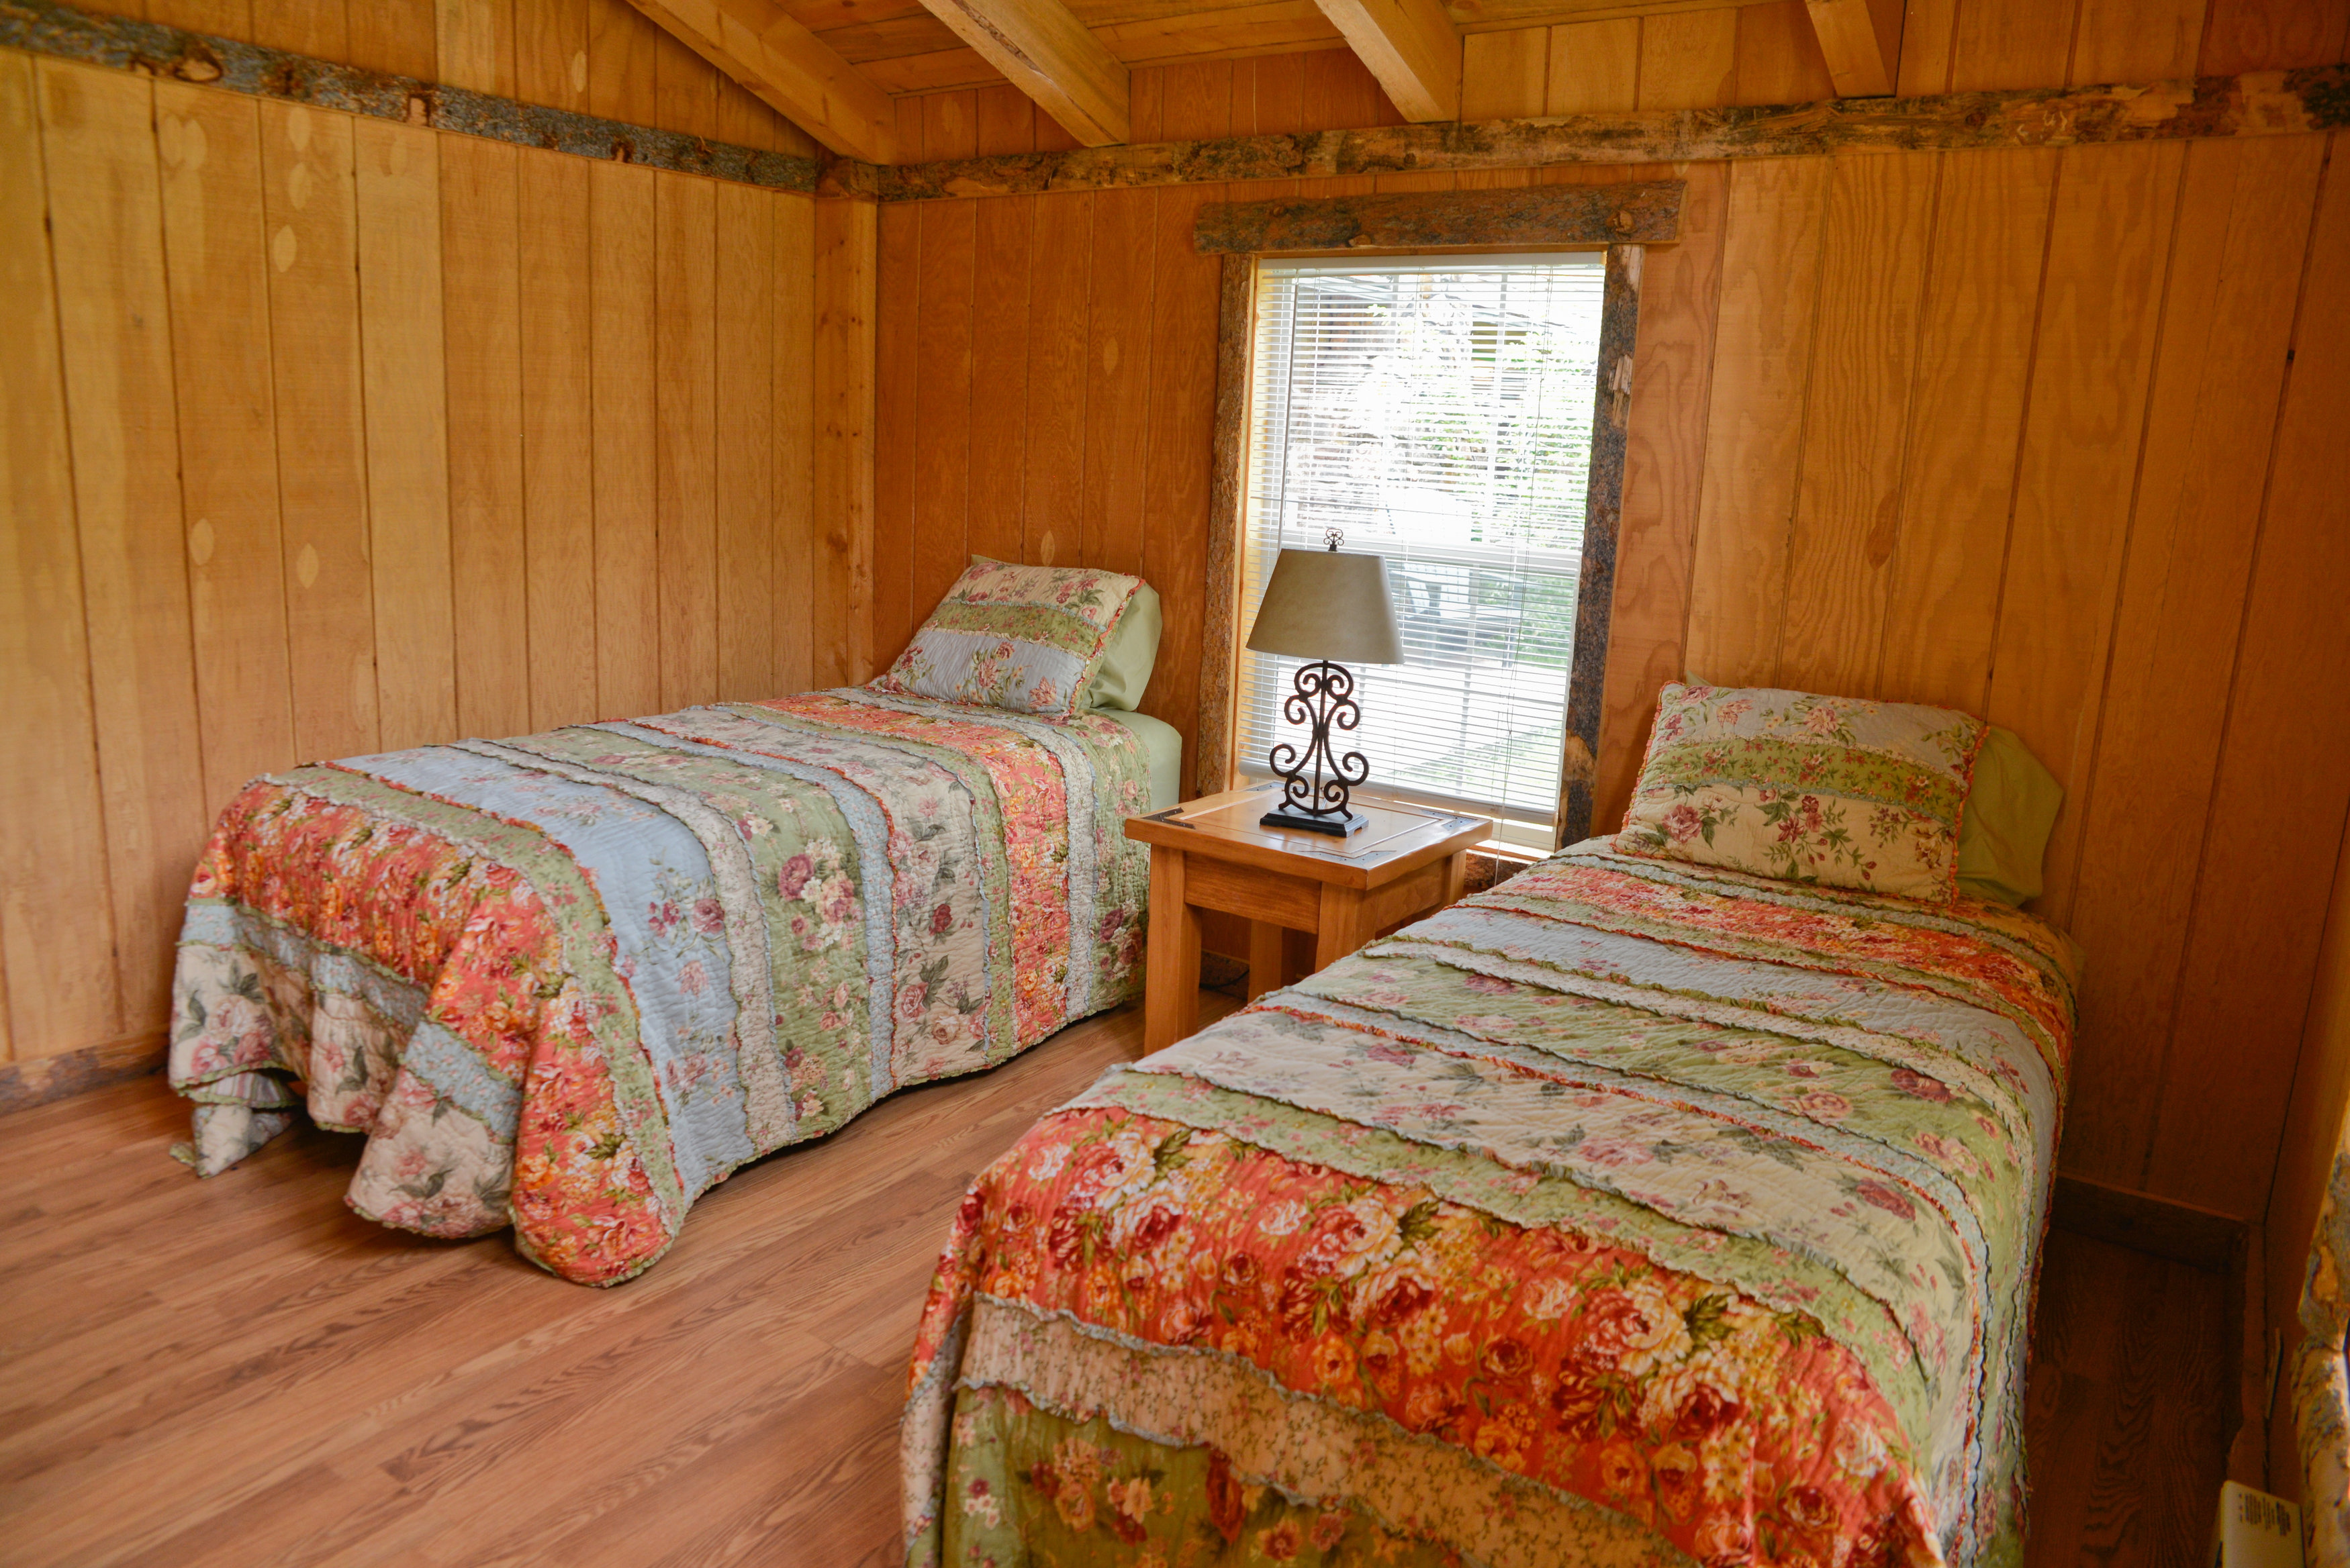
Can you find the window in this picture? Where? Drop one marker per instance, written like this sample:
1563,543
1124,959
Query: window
1439,412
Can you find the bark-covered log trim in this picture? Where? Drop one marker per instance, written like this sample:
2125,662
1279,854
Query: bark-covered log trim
1647,213
1603,510
1227,478
62,32
2265,103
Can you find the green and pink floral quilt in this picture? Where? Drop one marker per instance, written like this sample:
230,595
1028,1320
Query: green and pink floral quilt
1636,1212
570,980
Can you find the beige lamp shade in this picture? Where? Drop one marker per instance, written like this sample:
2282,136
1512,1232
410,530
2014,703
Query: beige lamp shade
1327,604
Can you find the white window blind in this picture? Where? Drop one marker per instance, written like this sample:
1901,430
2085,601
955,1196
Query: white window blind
1439,412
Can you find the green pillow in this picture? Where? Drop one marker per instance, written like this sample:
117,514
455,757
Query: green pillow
1126,660
2011,807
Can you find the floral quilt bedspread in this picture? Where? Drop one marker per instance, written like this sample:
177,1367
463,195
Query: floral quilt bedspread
570,980
1635,1212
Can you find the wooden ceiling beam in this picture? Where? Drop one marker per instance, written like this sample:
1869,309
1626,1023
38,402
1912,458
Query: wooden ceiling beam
787,68
1862,41
1411,47
1045,52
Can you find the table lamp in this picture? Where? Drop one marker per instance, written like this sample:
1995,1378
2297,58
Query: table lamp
1324,605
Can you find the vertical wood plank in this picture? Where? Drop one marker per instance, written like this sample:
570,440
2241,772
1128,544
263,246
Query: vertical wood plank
1863,348
106,235
1753,440
1059,304
685,459
221,18
622,43
314,333
56,910
2280,799
559,458
1145,99
686,89
404,383
1007,120
898,299
2136,41
1338,92
488,530
1504,74
745,416
1595,68
742,118
2099,302
1966,413
1189,293
1664,472
949,124
473,43
1198,103
1271,102
1118,380
1689,59
1926,35
620,379
551,53
999,403
301,26
942,399
910,126
844,485
2272,35
394,36
794,442
2010,43
1779,58
218,270
2226,321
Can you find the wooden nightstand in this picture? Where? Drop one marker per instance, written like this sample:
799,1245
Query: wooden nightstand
1211,854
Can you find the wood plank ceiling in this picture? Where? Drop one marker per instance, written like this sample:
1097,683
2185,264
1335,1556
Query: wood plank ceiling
827,63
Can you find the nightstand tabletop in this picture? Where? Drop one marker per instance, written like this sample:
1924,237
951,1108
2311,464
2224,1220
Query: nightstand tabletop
1402,837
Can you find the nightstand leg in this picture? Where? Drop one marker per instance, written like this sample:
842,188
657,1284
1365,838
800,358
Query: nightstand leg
1456,875
1263,957
1345,925
1171,1007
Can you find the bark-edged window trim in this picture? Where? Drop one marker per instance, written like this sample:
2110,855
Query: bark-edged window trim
1595,582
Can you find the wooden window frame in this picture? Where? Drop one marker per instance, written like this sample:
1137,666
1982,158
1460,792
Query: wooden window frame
1556,218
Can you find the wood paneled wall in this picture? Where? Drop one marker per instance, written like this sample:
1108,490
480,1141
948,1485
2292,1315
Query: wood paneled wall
2033,433
321,435
594,57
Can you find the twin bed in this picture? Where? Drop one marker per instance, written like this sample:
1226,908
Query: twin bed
1679,1200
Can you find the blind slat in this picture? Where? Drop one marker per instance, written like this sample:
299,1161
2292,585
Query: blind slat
1439,415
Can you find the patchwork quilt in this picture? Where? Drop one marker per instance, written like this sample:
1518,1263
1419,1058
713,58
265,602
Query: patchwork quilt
569,982
1635,1212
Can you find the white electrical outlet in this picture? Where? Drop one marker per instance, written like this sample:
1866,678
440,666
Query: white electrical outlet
2255,1531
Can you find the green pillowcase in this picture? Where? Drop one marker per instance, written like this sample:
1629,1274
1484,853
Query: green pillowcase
1022,639
1124,672
1836,792
2009,810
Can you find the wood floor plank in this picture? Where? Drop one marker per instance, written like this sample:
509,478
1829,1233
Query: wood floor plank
259,1377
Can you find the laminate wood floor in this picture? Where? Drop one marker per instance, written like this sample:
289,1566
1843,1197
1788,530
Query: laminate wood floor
242,1371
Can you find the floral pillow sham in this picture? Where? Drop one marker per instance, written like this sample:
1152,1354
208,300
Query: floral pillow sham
1832,791
1022,639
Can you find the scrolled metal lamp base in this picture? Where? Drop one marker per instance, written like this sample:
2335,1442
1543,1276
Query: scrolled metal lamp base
1318,782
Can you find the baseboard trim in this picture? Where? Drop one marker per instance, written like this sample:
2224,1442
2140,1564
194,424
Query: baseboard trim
2201,1238
40,1079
